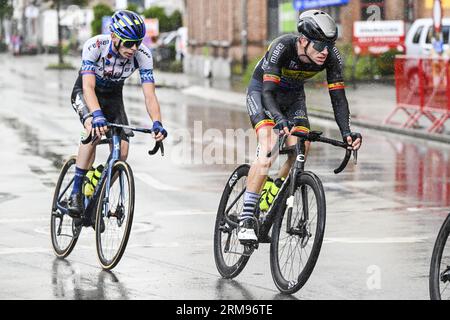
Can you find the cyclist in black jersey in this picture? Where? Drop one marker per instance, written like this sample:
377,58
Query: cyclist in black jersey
276,99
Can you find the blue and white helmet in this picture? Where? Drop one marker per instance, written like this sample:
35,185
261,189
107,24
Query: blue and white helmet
128,25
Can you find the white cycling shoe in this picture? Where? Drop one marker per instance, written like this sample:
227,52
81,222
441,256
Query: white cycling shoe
246,233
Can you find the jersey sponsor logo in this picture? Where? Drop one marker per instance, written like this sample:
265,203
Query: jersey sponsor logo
276,53
336,86
145,53
298,74
293,65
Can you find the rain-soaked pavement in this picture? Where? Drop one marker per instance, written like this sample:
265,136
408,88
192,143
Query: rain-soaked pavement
382,215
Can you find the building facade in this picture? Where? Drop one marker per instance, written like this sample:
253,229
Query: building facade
223,33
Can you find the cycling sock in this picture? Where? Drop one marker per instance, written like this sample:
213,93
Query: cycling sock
250,201
78,180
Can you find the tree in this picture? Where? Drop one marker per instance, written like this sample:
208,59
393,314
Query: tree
159,13
100,11
133,7
57,4
6,11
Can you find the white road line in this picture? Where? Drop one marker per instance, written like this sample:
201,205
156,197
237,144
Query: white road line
16,220
387,240
185,213
153,183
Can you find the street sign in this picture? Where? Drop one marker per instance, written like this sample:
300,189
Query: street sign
377,37
301,5
437,16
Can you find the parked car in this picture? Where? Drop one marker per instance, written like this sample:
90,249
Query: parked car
419,37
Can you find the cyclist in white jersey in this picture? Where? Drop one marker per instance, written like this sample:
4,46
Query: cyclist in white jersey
107,61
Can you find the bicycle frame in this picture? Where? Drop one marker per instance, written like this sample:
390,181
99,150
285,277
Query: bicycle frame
297,168
114,156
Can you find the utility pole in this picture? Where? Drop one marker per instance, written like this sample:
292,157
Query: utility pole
58,14
244,35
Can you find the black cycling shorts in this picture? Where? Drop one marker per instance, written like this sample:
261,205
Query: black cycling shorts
111,104
291,103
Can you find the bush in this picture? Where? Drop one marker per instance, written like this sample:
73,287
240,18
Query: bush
100,11
166,23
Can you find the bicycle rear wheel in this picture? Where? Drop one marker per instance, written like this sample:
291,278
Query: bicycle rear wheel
113,224
230,256
63,229
440,265
298,234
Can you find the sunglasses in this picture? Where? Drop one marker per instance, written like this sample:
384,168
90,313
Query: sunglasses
130,43
321,45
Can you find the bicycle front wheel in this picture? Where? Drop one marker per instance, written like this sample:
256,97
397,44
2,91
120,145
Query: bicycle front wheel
298,234
64,232
115,216
230,256
440,265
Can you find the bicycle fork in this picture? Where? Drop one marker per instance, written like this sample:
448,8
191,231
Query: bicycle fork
301,228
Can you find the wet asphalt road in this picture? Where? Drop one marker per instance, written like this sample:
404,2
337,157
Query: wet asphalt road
382,215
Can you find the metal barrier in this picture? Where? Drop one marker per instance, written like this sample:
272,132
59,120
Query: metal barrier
422,90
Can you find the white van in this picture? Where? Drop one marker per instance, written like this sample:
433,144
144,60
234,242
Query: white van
418,39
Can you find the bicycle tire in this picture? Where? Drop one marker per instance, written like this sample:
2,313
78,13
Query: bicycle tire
291,286
232,270
62,252
436,260
105,262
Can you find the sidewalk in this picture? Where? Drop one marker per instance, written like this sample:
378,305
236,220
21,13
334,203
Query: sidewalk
370,104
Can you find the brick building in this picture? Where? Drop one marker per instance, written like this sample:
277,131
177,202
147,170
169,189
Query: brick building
216,37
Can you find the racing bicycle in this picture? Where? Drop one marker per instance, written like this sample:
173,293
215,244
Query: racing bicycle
440,265
110,209
296,219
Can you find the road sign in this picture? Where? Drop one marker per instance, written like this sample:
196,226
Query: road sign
301,5
437,15
377,37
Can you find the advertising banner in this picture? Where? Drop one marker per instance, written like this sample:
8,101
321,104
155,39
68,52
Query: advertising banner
301,5
378,37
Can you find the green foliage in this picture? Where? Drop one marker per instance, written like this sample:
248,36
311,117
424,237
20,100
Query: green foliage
133,7
246,77
6,9
100,11
166,23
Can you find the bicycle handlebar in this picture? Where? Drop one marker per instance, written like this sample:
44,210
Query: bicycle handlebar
316,136
158,145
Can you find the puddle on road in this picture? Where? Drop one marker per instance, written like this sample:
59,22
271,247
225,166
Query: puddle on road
6,197
38,148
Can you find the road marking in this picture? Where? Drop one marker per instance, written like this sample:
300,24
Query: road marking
15,220
185,213
376,240
152,182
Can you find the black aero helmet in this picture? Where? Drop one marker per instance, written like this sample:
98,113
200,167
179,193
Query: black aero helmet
317,25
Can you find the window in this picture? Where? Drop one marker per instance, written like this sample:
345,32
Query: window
416,38
445,31
372,10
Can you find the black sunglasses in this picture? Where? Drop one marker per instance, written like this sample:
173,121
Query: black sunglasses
130,43
321,45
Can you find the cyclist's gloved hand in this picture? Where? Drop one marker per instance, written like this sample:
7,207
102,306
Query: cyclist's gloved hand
160,132
283,125
354,139
99,124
